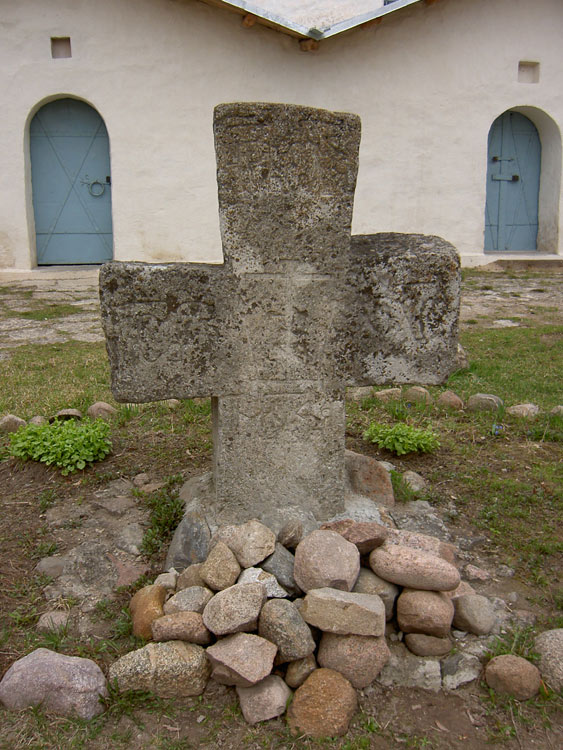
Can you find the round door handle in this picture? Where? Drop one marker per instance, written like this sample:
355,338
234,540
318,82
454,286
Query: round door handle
96,188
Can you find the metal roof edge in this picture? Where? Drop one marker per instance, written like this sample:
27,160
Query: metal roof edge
315,33
351,23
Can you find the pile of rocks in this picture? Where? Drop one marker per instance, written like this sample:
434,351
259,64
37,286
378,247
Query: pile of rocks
325,621
323,614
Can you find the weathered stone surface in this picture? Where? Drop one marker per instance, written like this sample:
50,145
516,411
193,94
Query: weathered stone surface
281,565
416,540
174,669
38,419
64,414
428,612
269,581
53,621
145,607
366,535
291,534
558,410
140,480
474,614
87,566
416,394
221,568
335,611
192,599
463,588
410,348
484,402
52,566
101,410
388,394
549,646
235,609
462,359
298,671
359,658
414,481
252,543
168,580
369,583
281,623
241,659
459,669
190,543
427,645
325,559
418,517
130,538
188,330
190,577
265,700
415,569
323,706
449,400
513,675
365,476
407,670
474,573
181,626
524,411
11,423
64,685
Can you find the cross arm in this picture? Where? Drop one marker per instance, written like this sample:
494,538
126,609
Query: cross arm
402,309
163,327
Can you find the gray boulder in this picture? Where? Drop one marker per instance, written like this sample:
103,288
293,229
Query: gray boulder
241,659
173,669
281,623
190,543
549,646
265,700
64,685
326,559
474,613
235,609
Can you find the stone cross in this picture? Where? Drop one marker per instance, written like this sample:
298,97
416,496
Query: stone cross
295,314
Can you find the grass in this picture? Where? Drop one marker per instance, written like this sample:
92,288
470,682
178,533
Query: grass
517,364
48,312
46,378
166,511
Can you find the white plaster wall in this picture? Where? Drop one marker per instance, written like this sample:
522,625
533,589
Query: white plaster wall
427,83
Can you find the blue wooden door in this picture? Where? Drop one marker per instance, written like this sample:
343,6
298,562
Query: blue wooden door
71,183
513,183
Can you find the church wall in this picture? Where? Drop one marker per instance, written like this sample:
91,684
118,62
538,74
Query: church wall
427,82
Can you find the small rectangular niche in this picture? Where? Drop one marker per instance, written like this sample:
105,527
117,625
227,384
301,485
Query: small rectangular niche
528,71
60,47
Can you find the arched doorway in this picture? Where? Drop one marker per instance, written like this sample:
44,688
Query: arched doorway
513,182
71,184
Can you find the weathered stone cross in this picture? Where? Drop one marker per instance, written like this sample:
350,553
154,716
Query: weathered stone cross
296,313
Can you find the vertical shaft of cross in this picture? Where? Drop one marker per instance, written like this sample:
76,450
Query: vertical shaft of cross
286,178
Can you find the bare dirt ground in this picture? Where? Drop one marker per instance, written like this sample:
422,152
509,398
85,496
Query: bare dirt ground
407,718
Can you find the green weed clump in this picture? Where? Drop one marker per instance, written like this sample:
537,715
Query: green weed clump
166,512
401,438
69,445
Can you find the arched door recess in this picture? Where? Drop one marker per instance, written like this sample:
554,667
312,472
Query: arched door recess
513,182
71,184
